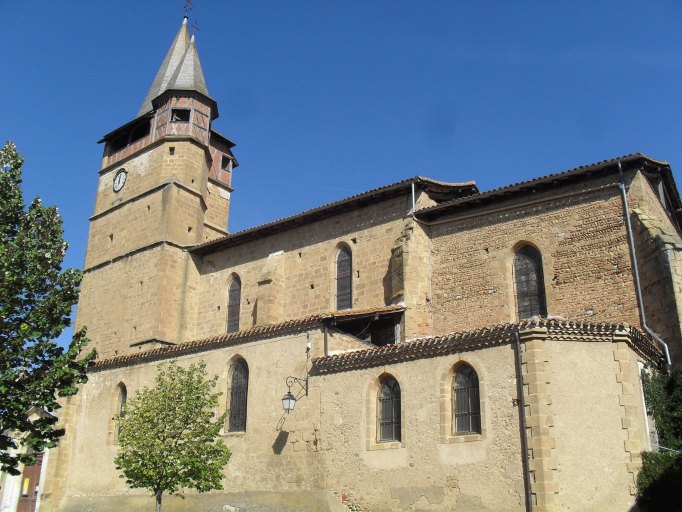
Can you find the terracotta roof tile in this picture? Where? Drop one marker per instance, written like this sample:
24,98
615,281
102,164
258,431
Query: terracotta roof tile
235,338
481,338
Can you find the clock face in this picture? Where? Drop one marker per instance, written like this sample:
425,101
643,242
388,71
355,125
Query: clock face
120,180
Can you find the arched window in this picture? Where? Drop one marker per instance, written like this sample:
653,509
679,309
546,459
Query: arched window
530,283
234,297
467,403
344,278
238,395
120,408
388,407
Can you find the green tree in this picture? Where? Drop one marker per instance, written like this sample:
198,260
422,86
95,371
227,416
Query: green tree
36,297
169,435
658,483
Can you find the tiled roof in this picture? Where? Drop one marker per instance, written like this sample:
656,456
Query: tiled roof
329,209
482,338
549,179
235,338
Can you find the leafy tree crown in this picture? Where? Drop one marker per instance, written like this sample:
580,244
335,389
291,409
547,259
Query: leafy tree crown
36,297
169,437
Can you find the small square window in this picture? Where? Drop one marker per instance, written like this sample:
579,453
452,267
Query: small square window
180,115
225,163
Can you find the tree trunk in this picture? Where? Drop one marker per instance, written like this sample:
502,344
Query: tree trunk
158,501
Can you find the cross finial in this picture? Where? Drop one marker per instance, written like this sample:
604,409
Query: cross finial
195,26
188,7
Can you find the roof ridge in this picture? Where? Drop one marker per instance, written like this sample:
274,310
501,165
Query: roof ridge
338,202
540,179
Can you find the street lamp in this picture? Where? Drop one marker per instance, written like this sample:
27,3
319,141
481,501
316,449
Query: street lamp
289,400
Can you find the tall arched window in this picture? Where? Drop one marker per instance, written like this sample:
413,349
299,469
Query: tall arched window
530,283
238,396
388,407
234,297
120,408
344,278
467,403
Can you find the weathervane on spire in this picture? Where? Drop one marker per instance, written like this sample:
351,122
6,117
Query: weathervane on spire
188,7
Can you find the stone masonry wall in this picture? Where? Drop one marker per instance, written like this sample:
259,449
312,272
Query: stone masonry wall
583,243
658,247
277,452
126,271
430,469
596,413
164,198
217,210
156,282
307,266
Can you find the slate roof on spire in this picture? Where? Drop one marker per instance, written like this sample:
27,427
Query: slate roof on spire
180,70
188,75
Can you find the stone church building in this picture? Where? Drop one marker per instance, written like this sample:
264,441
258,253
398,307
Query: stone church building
452,349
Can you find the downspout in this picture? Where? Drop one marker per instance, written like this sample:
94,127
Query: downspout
521,403
635,269
326,341
414,202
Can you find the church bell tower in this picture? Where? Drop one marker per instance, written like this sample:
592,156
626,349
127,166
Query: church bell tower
164,186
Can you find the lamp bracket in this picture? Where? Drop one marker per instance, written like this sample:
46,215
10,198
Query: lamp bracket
303,383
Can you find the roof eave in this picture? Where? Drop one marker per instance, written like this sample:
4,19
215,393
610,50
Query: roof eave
549,180
111,134
324,211
212,103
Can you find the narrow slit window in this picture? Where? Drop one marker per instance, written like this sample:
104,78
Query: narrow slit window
234,296
238,397
388,407
467,402
120,408
530,283
344,278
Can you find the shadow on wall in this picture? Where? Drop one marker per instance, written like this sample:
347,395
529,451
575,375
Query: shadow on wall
280,442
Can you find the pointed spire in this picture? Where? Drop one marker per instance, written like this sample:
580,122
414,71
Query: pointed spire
179,70
188,75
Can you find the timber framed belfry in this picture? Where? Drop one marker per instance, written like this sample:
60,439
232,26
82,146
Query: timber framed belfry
455,349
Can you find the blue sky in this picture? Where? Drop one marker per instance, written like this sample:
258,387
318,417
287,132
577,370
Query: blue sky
326,99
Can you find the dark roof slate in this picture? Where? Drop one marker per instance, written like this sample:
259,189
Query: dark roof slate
180,70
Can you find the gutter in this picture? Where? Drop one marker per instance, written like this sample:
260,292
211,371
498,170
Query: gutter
521,403
635,269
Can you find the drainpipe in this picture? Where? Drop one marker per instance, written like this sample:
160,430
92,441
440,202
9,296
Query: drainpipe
326,341
635,269
521,403
414,204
